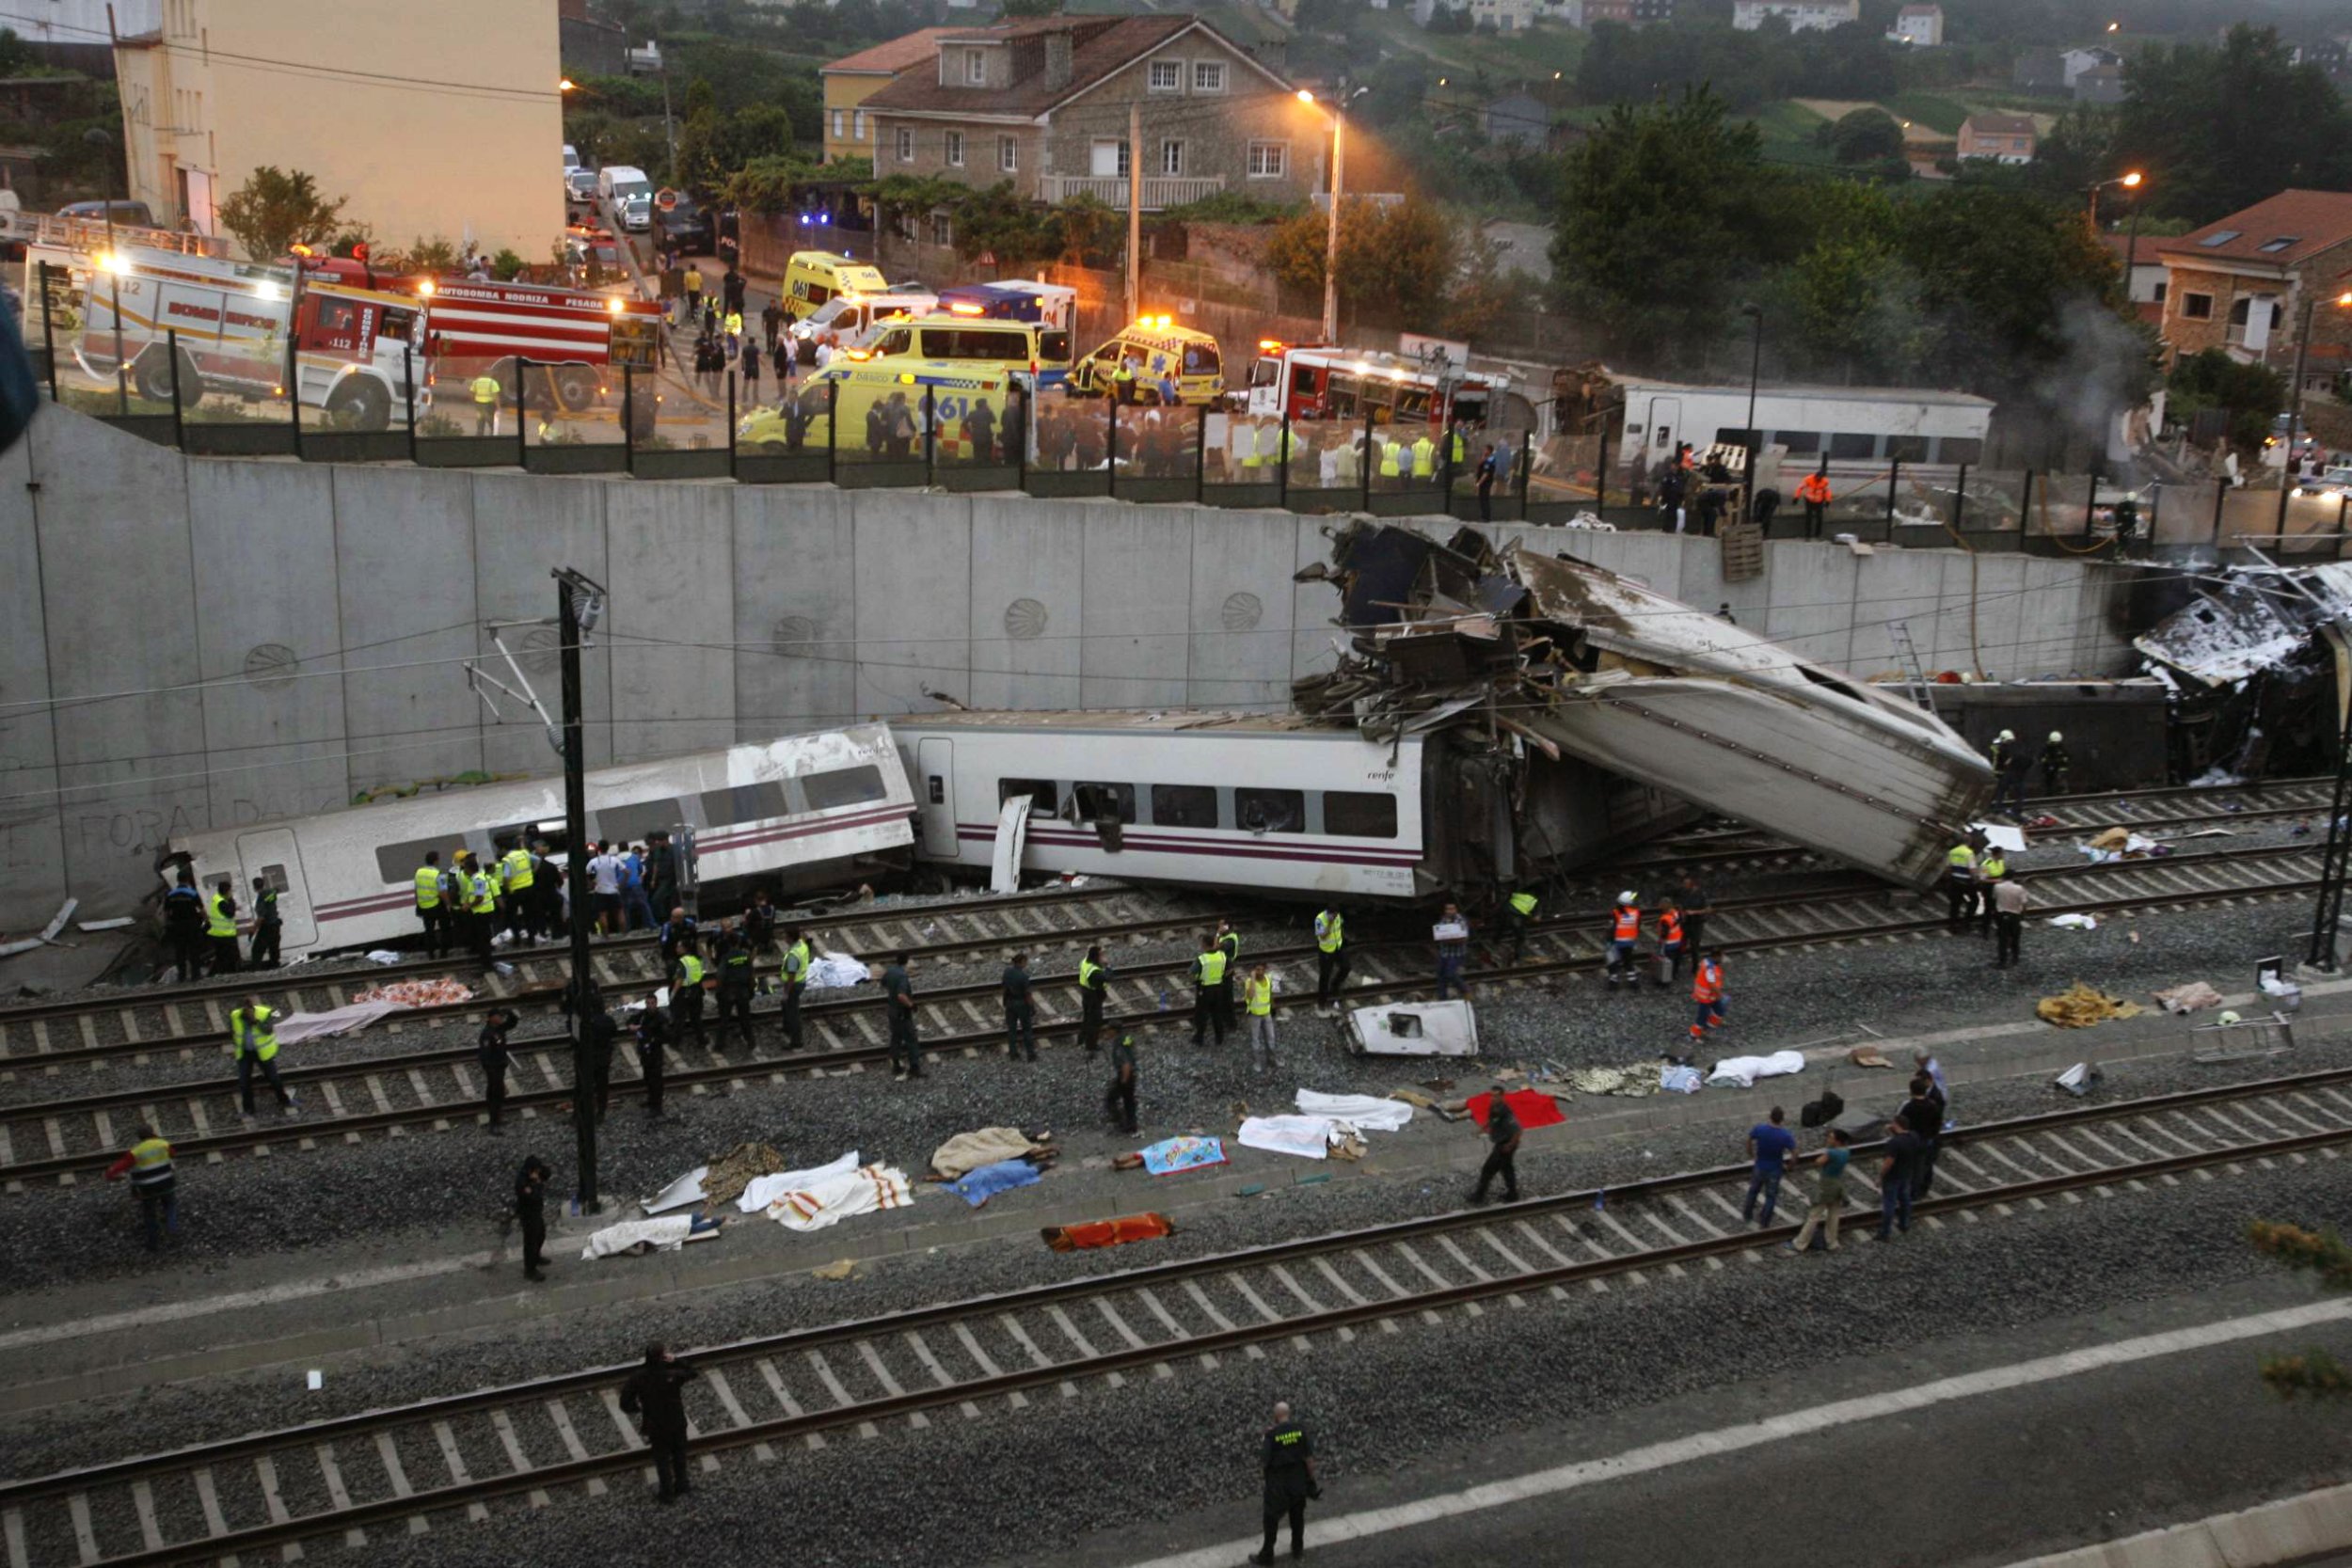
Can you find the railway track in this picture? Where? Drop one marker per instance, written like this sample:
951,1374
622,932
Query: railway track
69,1136
400,1470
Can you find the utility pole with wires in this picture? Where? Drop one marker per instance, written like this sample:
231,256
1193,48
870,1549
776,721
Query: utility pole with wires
580,602
1134,211
2335,863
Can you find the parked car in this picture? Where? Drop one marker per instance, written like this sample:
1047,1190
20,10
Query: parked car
580,183
132,212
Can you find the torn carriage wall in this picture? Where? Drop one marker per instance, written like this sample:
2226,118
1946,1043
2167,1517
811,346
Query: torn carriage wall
2258,672
1575,664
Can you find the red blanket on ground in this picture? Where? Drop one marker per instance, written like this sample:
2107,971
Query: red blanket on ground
1095,1233
1533,1109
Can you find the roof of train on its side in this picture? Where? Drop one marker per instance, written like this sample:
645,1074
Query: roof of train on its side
1139,721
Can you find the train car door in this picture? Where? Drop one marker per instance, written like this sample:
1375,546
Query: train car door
272,853
935,762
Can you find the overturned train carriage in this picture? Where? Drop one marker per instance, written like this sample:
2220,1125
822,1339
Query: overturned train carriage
1577,665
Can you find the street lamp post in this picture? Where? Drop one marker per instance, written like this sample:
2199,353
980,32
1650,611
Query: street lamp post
2129,182
98,138
1747,434
2295,401
1331,227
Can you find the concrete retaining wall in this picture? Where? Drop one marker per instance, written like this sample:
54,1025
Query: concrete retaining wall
189,642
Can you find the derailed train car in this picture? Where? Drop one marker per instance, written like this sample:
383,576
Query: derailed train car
1580,663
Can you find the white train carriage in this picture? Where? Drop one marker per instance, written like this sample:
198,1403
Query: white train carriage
804,811
1264,801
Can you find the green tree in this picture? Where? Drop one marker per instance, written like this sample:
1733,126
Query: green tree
1863,137
1847,307
2313,1372
276,210
700,95
2252,394
1396,262
1661,208
1085,226
2217,129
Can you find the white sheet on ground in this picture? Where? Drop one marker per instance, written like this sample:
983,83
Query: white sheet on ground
1742,1071
666,1234
837,1197
1369,1113
1309,1138
836,969
686,1189
335,1021
1012,836
764,1190
2002,835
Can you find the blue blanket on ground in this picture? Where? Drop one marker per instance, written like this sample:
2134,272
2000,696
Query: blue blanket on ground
976,1187
1188,1152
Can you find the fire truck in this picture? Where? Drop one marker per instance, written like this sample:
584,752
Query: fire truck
1318,381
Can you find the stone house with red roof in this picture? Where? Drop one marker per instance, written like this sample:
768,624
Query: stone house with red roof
2241,284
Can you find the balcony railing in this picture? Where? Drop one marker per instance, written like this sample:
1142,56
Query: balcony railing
1159,190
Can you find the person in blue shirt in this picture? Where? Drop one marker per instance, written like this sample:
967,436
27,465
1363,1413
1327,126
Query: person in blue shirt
1770,1144
639,908
1829,1193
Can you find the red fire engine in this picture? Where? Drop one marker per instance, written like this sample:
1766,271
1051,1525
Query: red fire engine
1317,381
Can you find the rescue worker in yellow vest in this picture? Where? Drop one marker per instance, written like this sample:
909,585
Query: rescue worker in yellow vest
796,958
1123,380
1960,884
254,1039
220,928
522,902
1229,943
1425,457
432,904
486,404
734,982
1331,961
1257,995
481,905
1991,871
1520,919
1455,456
1625,931
686,995
1093,976
149,1166
1210,1006
1392,461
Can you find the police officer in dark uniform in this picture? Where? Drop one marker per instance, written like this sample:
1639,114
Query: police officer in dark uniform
1229,942
1503,1149
267,926
1020,1012
734,982
600,1032
531,1207
1118,1101
653,1039
655,1394
1093,976
490,1050
184,928
1288,1457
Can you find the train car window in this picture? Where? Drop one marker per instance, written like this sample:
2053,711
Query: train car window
1805,442
1044,794
938,789
1907,448
276,877
1092,803
1960,449
1270,811
844,786
1844,446
632,824
750,803
400,862
1347,813
1183,806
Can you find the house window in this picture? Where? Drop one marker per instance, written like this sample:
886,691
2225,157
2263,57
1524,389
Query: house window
2197,307
1168,76
1269,160
2159,296
840,123
955,150
906,144
942,231
1172,157
857,125
1008,155
1107,160
975,66
2240,311
1208,76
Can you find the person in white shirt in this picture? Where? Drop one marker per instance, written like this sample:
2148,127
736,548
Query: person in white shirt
604,877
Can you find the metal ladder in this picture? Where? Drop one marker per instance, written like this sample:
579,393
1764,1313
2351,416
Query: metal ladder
1900,631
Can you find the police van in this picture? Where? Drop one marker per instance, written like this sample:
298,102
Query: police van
813,276
967,366
1166,355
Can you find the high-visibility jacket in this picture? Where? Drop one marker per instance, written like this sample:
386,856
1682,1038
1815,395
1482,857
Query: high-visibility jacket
1992,867
485,894
251,1033
428,887
1230,944
218,921
1209,968
1524,902
1959,857
1258,995
150,1164
1625,923
1424,458
1814,488
515,865
1707,981
1330,930
1458,452
485,388
1670,928
796,963
1090,974
735,324
1391,454
689,969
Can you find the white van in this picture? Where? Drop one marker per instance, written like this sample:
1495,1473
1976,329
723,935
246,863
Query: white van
617,183
850,317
